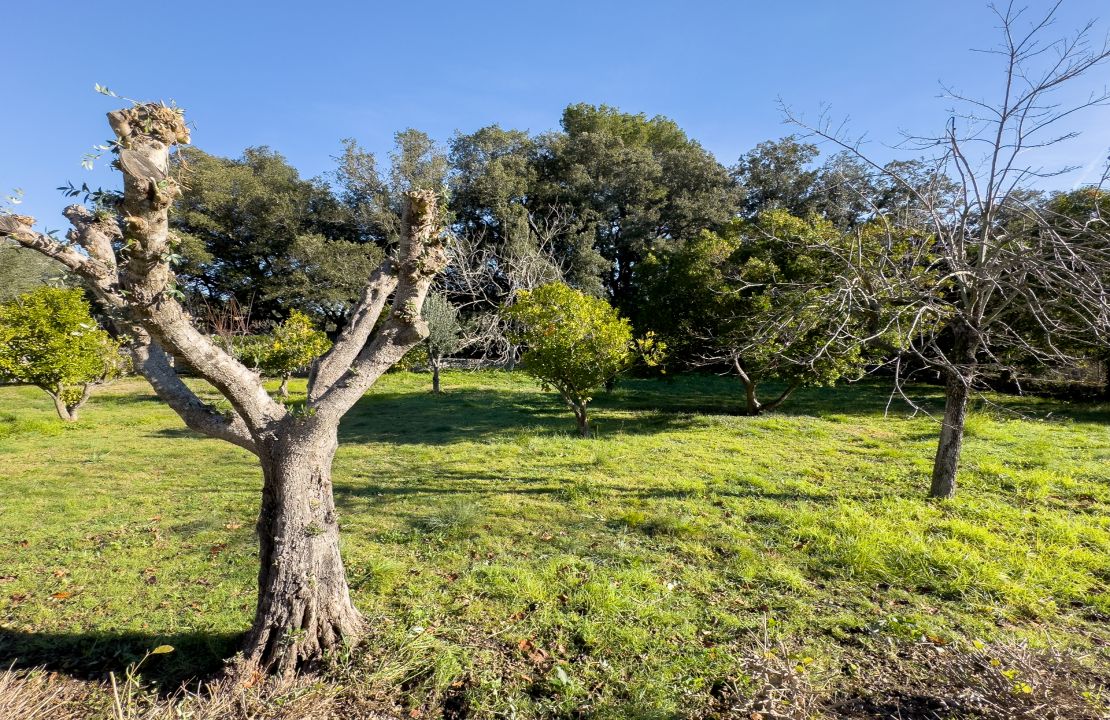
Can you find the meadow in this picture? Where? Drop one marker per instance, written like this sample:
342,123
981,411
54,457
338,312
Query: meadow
511,569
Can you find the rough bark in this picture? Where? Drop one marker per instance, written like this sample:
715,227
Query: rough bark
946,464
283,389
434,362
304,607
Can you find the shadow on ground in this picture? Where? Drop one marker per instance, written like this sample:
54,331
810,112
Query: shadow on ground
93,655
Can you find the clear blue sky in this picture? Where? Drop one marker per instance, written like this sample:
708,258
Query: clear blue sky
299,76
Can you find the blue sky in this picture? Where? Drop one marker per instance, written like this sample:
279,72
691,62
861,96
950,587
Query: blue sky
300,76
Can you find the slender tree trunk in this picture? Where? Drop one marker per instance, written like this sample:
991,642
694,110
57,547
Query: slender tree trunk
304,606
435,374
751,402
583,421
68,412
957,390
283,389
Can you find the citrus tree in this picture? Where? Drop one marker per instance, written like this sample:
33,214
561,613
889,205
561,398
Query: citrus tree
49,339
575,343
293,345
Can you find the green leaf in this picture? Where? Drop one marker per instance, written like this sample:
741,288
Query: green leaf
162,650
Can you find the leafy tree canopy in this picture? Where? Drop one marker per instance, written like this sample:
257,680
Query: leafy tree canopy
575,343
48,338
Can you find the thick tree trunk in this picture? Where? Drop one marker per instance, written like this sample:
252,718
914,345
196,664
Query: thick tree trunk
283,389
435,375
956,393
304,606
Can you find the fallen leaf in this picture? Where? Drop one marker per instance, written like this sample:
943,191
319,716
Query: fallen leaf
233,526
61,595
217,549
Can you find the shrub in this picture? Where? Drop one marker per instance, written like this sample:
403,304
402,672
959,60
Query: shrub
575,343
49,339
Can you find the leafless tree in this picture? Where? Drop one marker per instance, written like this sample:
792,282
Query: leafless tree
991,269
481,278
304,607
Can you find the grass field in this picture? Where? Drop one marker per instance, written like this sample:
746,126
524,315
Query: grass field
512,569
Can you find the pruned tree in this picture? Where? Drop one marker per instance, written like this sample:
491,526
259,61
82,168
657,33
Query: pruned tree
574,343
49,339
444,333
982,249
304,607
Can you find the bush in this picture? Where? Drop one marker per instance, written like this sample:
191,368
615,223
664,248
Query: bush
48,338
575,343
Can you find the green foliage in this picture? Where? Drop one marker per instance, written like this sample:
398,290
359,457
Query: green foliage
636,183
444,330
23,270
293,345
575,343
253,230
761,293
48,338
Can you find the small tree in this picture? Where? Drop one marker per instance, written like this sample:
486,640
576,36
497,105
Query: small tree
575,343
49,339
444,332
293,345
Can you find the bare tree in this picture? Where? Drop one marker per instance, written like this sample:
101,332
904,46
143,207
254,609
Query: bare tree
990,269
304,608
481,278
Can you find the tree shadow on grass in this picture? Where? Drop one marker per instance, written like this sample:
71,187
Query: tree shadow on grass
724,395
92,655
461,415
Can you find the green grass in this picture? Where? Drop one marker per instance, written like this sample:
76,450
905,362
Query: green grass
508,566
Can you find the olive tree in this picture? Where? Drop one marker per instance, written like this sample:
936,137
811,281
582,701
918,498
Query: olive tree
444,333
304,608
49,339
574,343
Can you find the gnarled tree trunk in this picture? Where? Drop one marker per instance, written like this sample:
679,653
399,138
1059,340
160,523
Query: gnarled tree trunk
434,362
304,606
283,389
